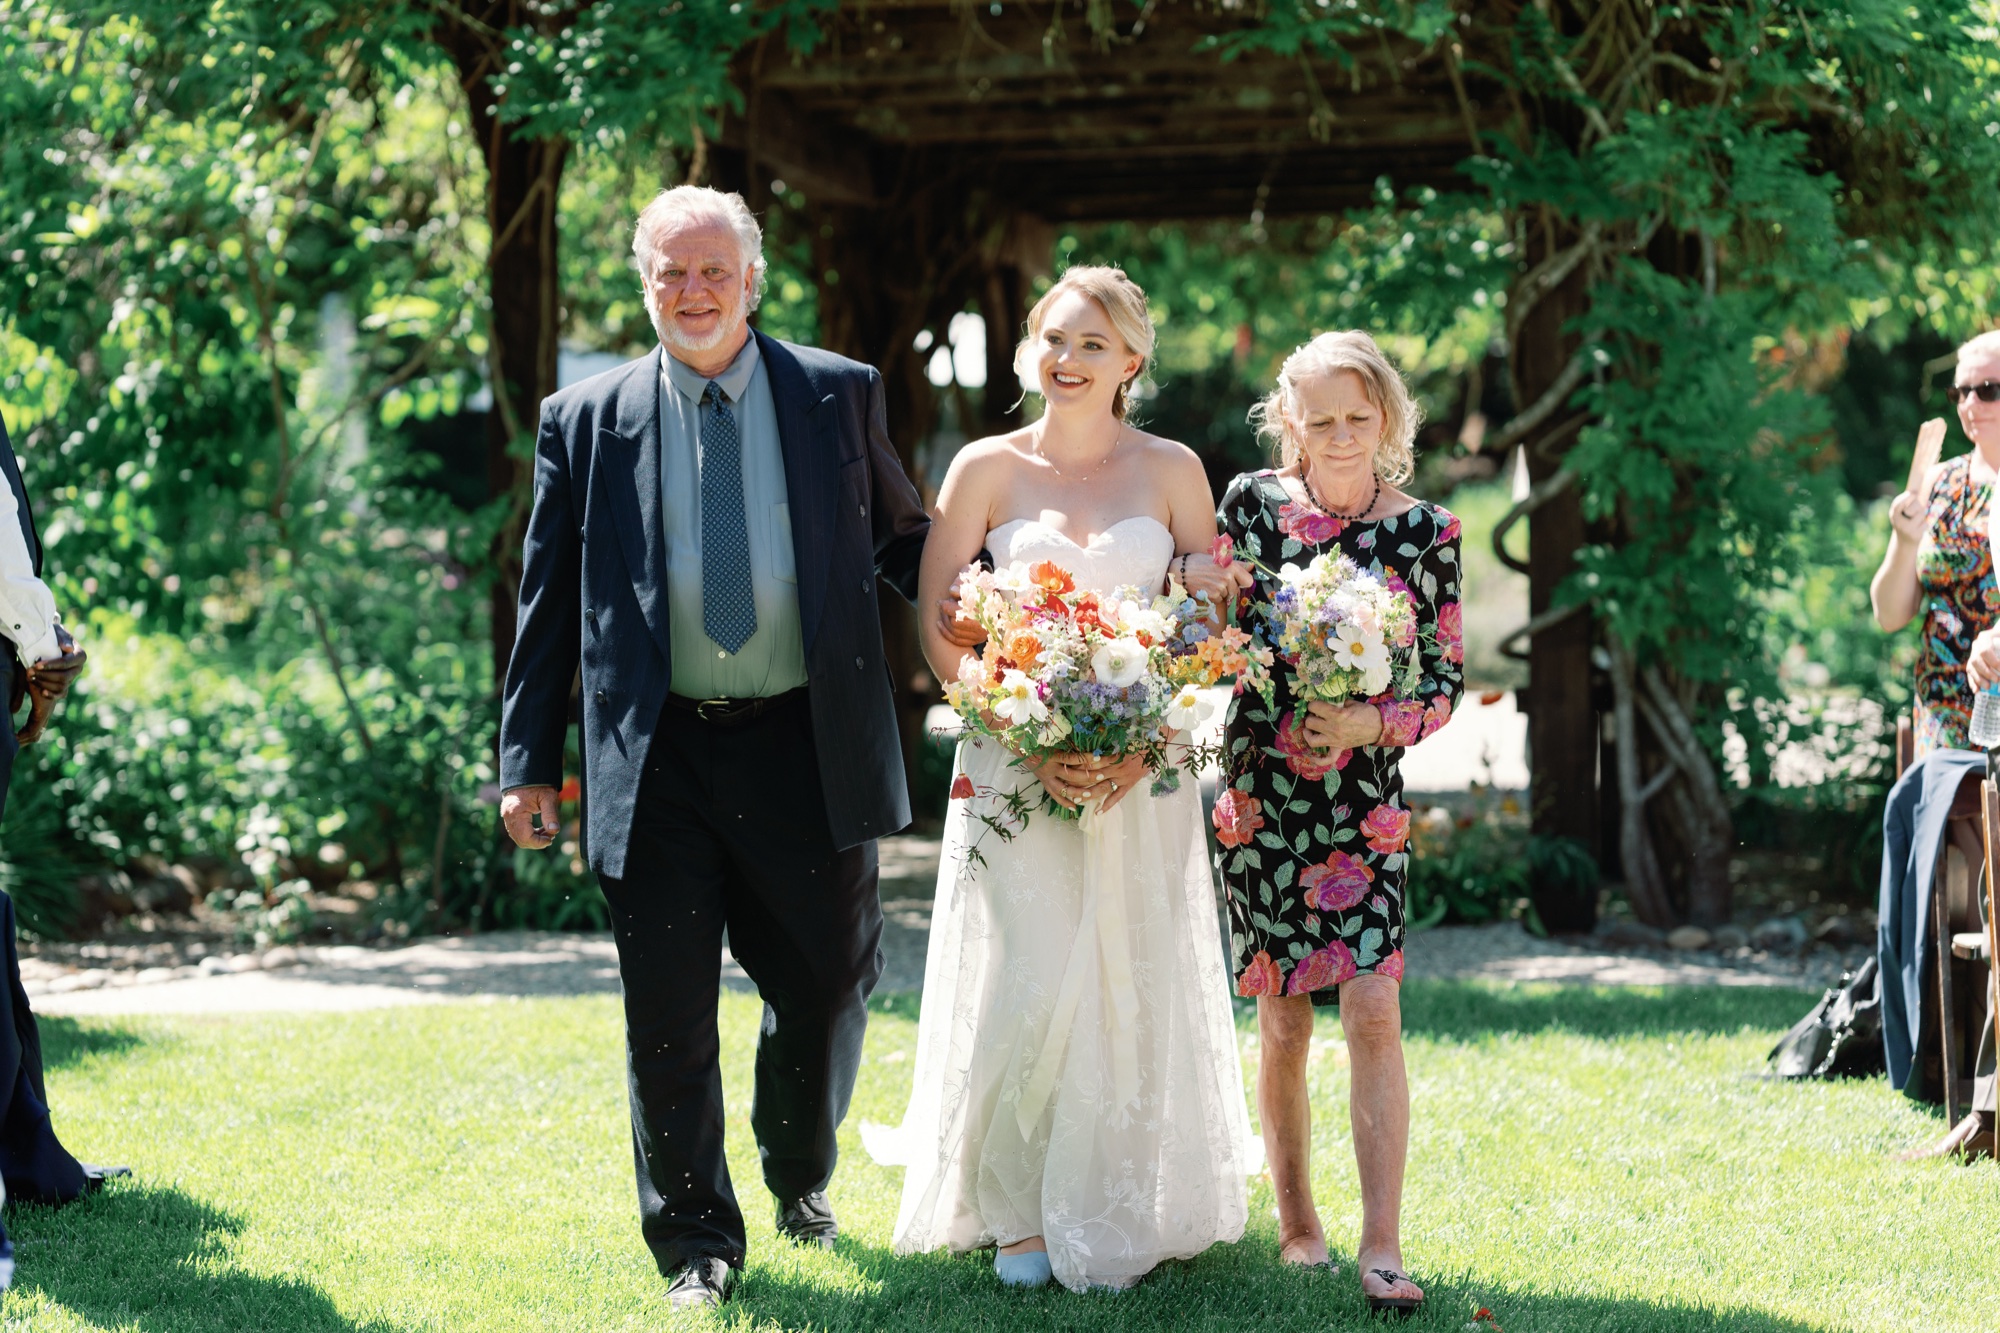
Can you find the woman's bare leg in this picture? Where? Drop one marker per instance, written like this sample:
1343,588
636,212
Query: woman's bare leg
1284,1037
1371,1014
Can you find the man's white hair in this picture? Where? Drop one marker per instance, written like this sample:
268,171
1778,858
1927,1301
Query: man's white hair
683,204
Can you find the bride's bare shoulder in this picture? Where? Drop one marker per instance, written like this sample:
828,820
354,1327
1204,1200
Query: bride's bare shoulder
1160,449
991,453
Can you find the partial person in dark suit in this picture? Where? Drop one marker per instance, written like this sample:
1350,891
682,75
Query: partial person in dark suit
38,666
709,526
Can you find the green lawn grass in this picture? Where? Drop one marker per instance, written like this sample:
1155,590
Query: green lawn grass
1582,1159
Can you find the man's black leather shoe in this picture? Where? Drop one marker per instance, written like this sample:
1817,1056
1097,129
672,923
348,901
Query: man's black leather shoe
704,1282
809,1221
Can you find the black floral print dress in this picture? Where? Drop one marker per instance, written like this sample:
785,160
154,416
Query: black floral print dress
1315,845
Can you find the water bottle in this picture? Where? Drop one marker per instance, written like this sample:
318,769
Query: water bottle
1984,733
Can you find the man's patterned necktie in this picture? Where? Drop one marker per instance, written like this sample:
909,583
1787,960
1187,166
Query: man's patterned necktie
728,610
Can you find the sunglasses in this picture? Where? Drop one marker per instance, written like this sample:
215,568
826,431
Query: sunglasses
1986,391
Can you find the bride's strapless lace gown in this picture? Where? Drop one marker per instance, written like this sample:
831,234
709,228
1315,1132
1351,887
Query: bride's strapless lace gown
1077,1075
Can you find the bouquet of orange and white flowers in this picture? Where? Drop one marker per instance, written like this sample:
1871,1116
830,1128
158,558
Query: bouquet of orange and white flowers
1069,671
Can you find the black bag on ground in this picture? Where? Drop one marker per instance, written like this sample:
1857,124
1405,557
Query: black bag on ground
1841,1037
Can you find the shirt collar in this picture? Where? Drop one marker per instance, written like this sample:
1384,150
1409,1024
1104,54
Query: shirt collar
735,381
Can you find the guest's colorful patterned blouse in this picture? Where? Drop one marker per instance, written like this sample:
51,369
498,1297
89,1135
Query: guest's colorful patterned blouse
1960,598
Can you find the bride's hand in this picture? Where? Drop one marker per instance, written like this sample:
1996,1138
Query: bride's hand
1068,778
1121,777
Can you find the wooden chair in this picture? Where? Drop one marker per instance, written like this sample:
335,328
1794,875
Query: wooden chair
1963,919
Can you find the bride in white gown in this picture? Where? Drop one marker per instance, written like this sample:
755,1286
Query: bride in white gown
1078,1098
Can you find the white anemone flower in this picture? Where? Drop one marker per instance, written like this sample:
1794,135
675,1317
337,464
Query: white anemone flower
1119,662
1358,650
1188,709
1016,701
1135,620
1012,578
1375,681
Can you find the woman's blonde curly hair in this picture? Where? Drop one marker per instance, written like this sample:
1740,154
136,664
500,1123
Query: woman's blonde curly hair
1328,354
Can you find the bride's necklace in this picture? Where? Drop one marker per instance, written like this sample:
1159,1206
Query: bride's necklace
1095,469
1305,476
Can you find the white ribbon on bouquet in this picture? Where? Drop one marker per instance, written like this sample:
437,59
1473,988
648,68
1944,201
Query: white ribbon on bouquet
1102,915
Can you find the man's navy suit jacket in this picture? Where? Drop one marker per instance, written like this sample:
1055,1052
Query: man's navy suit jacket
594,589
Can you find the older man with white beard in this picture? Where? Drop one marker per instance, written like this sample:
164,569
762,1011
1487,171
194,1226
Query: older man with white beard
710,522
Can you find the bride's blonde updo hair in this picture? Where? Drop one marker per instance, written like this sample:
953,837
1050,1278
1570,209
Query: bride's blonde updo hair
1123,300
1328,354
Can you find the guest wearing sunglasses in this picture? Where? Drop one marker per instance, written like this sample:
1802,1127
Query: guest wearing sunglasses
1940,563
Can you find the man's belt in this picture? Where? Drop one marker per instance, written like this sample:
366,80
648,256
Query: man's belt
734,712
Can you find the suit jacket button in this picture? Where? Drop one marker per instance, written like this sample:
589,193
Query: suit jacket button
864,511
865,583
599,696
590,614
857,664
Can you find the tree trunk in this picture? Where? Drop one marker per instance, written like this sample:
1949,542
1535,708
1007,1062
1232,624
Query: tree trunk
1562,718
523,181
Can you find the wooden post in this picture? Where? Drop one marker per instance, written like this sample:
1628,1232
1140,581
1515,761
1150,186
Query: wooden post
524,181
1562,716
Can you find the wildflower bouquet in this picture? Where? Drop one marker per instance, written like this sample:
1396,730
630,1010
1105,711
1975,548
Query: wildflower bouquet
1344,632
1070,671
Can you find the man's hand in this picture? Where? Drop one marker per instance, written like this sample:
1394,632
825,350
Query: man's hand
51,679
39,708
48,682
518,809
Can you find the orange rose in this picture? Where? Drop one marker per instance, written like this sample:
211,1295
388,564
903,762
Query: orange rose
1025,649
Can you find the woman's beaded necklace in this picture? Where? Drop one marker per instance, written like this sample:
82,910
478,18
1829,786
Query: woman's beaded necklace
1305,477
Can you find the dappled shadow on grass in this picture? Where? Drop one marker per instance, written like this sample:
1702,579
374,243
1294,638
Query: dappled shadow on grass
66,1042
1466,1010
1227,1290
158,1261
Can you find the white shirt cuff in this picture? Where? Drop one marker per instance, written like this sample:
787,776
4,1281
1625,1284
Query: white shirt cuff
42,649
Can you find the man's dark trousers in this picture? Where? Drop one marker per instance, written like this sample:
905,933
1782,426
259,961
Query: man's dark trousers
35,1166
729,831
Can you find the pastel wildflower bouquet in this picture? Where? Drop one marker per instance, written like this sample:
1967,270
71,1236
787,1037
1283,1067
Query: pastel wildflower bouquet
1344,632
1070,671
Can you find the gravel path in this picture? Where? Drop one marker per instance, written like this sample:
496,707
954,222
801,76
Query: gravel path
153,979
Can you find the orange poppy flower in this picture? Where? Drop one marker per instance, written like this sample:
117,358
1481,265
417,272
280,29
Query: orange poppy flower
1051,577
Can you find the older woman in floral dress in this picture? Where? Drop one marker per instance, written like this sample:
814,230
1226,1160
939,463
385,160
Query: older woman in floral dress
1312,823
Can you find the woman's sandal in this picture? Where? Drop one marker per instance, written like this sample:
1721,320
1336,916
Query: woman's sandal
1402,1305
